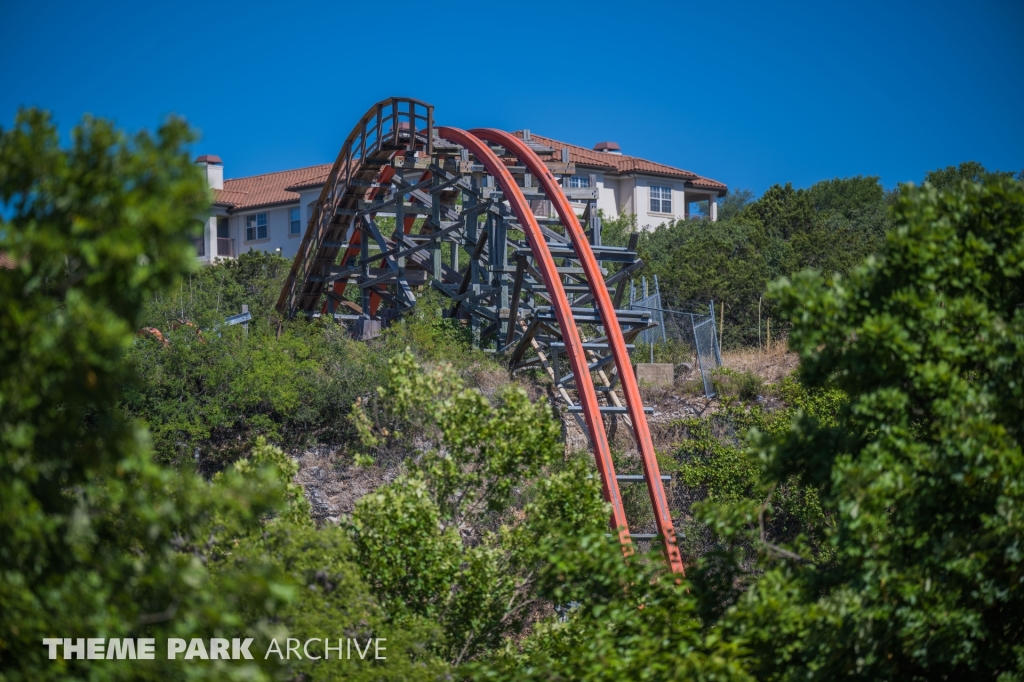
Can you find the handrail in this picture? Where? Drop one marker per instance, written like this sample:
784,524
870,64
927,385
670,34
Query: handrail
381,123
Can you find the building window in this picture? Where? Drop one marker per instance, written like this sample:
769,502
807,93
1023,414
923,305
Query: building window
661,199
200,241
255,227
579,181
294,221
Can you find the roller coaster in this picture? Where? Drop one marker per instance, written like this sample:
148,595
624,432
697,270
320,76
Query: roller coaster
487,219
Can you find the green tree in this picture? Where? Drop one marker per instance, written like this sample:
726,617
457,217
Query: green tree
783,211
699,261
321,594
95,539
846,196
616,232
922,470
968,171
830,227
628,621
733,203
442,543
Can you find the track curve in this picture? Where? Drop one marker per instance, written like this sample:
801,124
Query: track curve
574,346
603,301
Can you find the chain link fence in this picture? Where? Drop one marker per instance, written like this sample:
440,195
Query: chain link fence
696,331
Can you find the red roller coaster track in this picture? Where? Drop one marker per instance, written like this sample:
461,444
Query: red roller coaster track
396,161
574,347
662,515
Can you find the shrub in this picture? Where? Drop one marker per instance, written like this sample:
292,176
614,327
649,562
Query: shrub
744,385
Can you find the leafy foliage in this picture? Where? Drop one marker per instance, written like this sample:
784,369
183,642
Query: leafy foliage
921,470
884,505
325,597
871,528
209,395
732,204
631,622
969,171
210,390
831,226
88,523
96,540
476,567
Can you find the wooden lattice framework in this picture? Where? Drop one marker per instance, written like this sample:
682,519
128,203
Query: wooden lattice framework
485,218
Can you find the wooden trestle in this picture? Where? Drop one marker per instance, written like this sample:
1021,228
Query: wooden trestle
466,208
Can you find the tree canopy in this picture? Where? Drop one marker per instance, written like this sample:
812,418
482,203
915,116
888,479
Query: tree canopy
96,539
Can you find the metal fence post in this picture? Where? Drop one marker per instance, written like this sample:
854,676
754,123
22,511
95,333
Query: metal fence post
714,334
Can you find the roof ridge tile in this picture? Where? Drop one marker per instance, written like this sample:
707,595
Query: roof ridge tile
293,170
621,163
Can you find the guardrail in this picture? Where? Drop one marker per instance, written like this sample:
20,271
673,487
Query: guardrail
396,122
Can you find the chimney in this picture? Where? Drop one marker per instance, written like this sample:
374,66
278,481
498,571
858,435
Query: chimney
608,148
214,169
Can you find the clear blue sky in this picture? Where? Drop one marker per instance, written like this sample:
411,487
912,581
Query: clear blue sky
749,93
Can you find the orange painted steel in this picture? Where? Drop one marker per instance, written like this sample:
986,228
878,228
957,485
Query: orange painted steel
573,345
634,403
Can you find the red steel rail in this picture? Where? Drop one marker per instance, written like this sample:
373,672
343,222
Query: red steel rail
574,346
634,403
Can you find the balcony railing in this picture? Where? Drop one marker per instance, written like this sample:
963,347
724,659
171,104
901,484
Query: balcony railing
200,245
226,247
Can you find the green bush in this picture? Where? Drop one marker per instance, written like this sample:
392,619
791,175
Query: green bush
921,469
209,396
210,390
743,385
96,540
438,543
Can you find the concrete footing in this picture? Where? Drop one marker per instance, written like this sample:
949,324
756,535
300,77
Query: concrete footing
655,374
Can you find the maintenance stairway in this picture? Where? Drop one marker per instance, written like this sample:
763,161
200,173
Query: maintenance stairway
487,219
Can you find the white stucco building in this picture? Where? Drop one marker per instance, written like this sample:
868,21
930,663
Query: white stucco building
266,212
656,193
269,212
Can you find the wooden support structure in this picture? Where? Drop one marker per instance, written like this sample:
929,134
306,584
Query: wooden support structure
526,285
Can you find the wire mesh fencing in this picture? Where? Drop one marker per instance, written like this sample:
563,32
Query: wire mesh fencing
650,302
679,329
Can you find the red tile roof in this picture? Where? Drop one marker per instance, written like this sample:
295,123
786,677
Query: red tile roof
621,164
6,262
270,188
317,181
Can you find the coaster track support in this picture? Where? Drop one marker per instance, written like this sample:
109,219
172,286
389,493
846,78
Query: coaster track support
529,285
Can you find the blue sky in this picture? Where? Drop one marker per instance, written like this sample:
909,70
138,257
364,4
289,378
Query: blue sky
749,93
